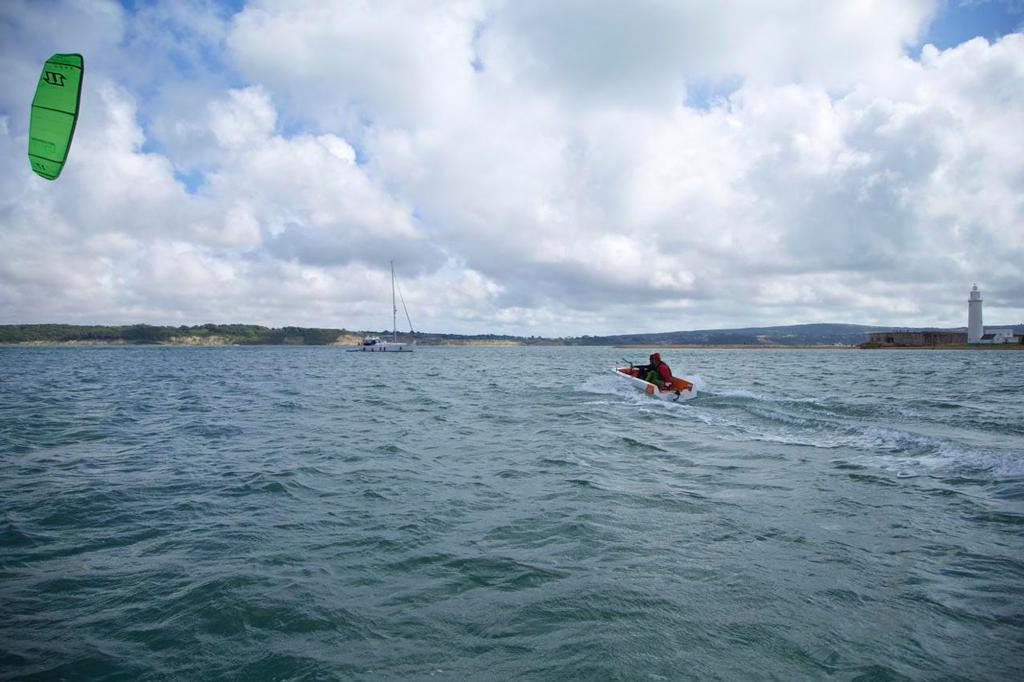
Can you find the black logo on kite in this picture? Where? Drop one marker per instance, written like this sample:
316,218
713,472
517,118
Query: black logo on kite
54,78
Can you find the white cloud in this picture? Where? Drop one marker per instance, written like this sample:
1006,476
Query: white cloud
533,167
342,64
643,53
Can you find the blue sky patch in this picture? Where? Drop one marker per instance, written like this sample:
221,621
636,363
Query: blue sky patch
958,21
705,93
192,180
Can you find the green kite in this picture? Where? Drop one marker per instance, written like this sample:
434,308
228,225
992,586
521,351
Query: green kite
54,114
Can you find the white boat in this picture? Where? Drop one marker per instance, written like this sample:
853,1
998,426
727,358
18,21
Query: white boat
675,390
375,344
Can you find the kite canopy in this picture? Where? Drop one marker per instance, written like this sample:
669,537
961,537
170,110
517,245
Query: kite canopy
54,114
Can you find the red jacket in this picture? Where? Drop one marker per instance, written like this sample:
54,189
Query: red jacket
664,371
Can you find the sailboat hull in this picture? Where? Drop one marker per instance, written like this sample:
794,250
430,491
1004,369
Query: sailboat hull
384,347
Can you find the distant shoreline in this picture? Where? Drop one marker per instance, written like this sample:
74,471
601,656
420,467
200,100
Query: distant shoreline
954,346
681,346
819,336
478,343
732,346
209,343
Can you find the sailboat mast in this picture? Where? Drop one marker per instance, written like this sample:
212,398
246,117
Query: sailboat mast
394,306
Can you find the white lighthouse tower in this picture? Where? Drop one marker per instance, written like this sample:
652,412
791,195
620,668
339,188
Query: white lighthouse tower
974,327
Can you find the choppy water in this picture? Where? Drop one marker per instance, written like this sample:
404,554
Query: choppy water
496,513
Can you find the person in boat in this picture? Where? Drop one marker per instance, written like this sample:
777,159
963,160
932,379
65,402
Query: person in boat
657,373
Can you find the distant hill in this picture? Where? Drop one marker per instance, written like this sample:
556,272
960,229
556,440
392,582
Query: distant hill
789,335
247,334
226,334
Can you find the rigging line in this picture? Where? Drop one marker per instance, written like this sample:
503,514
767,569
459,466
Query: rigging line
402,299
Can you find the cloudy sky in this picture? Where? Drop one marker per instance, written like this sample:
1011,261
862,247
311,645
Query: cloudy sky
533,167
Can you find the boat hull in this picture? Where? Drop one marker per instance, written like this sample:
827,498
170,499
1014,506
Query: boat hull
676,390
384,348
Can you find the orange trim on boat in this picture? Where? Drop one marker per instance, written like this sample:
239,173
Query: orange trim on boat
676,384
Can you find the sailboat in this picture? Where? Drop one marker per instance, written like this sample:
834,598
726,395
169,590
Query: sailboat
375,344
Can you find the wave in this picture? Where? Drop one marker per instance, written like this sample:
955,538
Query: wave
763,397
826,423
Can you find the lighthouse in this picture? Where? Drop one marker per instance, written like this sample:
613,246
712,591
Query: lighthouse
974,326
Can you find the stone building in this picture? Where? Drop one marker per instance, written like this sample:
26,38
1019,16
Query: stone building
916,339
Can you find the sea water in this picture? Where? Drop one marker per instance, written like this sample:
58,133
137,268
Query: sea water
498,513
